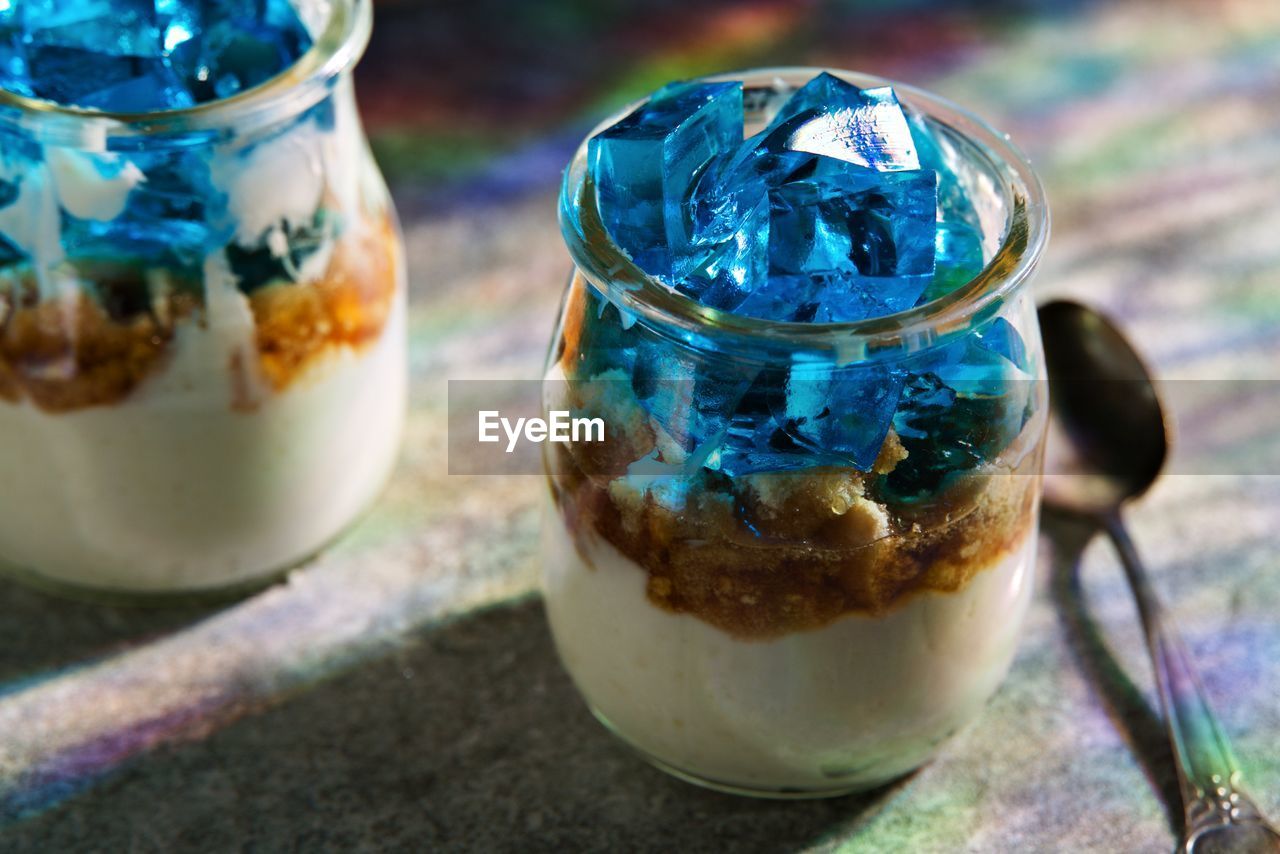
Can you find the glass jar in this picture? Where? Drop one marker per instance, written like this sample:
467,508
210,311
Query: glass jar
778,610
202,330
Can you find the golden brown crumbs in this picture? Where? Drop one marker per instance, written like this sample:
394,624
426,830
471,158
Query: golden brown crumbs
68,353
348,306
782,553
73,351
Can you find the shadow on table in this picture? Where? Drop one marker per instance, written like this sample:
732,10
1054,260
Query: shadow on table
1139,725
470,737
42,634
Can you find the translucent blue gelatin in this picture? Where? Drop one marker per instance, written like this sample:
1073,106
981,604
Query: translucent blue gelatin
830,117
9,191
1002,338
945,432
844,207
846,240
726,260
86,78
645,166
16,162
872,250
691,397
991,360
178,21
957,258
755,440
175,217
762,162
959,254
939,153
145,55
106,27
140,93
787,299
844,412
230,54
729,272
962,404
178,189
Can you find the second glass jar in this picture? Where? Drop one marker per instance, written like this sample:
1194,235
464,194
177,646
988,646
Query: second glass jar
202,330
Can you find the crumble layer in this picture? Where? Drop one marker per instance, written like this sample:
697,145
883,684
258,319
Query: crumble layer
767,555
71,352
75,351
347,307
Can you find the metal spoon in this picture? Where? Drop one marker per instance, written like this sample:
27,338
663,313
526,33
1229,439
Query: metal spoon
1111,435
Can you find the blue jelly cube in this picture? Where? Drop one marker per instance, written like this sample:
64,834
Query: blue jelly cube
229,55
107,27
787,299
178,21
645,166
990,360
939,153
176,213
963,403
1003,339
833,118
728,221
958,257
846,240
690,396
72,75
156,88
842,412
946,431
14,74
143,55
755,440
925,398
727,273
872,249
941,432
970,368
764,161
959,251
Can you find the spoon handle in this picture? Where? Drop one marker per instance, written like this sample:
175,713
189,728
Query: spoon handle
1207,769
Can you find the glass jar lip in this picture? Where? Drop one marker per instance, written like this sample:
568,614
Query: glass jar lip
613,272
337,48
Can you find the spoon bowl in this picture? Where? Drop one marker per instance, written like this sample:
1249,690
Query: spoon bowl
1111,437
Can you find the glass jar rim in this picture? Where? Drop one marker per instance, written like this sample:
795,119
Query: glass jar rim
339,45
612,271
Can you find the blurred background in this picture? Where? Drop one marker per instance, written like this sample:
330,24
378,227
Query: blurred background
1153,124
402,692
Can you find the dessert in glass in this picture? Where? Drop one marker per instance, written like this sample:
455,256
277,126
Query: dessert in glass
202,313
801,556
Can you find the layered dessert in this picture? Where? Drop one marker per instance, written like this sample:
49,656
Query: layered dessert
202,323
790,568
